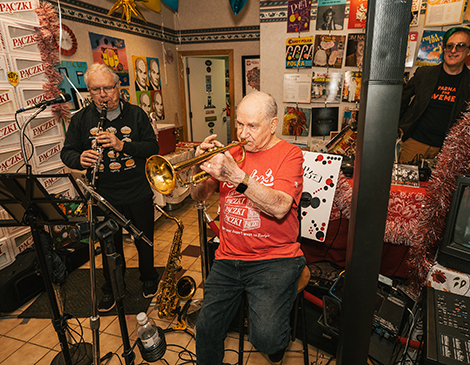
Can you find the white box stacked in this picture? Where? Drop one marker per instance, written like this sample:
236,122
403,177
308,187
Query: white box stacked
6,255
19,53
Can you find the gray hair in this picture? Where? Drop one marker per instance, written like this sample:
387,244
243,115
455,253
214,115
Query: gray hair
100,67
268,105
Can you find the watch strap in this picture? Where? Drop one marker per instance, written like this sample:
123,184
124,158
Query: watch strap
243,185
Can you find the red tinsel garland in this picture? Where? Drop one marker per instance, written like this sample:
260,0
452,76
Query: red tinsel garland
452,162
46,36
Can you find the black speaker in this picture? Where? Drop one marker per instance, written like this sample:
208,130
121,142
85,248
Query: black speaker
384,36
20,281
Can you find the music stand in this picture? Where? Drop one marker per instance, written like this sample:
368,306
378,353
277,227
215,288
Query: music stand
28,203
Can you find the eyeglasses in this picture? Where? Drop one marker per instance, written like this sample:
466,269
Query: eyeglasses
106,89
459,47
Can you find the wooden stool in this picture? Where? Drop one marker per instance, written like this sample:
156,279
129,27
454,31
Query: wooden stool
298,307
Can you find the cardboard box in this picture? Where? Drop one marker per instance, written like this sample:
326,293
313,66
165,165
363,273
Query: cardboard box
166,138
6,256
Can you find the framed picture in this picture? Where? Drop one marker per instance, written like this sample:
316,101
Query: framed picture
78,101
251,74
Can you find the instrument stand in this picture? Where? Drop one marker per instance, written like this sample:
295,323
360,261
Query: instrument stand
28,203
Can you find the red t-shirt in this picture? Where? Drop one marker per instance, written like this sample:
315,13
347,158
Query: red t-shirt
245,232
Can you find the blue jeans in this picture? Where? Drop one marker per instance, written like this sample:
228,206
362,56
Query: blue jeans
271,286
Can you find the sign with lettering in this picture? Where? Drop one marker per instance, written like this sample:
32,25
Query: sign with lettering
29,69
9,133
20,37
10,161
49,153
19,11
8,101
45,128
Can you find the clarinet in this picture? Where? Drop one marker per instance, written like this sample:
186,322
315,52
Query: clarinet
96,147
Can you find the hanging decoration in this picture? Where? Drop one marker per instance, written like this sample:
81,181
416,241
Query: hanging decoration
130,6
46,36
68,43
452,161
173,4
154,5
237,5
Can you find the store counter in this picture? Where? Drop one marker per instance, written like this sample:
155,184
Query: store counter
184,151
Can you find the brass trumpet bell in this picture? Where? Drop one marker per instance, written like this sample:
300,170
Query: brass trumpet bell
162,175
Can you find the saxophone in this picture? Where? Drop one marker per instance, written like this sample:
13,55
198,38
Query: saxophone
170,291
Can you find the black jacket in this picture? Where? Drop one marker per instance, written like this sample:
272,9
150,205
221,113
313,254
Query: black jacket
122,180
421,86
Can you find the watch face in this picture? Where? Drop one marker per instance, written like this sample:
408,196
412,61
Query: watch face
68,44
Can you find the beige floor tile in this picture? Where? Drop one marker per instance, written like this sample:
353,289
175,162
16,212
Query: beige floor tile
47,337
7,324
8,347
48,358
28,328
28,354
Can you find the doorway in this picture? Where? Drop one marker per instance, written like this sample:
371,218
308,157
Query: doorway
202,115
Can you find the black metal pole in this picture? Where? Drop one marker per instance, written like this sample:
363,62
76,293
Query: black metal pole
382,82
58,321
105,232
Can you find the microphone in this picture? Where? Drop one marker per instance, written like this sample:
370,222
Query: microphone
62,98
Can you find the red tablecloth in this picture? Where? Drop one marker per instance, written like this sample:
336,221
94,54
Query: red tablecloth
404,205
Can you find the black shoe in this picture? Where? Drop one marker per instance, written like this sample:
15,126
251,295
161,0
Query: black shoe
106,303
277,356
150,288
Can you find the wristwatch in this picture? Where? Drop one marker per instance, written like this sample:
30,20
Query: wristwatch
243,185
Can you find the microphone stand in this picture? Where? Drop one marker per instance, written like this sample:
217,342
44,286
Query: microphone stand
23,149
105,232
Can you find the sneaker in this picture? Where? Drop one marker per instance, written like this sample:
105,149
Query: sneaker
106,303
277,356
150,288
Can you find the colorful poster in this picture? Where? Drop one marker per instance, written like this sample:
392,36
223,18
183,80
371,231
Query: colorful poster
344,143
299,52
296,121
350,116
430,49
73,73
324,121
329,50
355,50
411,48
414,13
298,15
112,52
443,12
326,87
330,15
352,86
357,14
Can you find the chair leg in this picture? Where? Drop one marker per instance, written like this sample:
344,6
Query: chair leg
241,329
296,317
304,327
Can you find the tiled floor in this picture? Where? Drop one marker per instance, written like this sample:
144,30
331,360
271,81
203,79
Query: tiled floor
34,341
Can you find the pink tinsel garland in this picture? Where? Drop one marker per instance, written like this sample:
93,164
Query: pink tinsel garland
46,36
452,162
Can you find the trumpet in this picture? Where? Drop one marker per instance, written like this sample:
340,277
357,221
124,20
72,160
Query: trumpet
162,175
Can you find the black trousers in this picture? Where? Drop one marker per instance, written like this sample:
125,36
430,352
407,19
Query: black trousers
141,214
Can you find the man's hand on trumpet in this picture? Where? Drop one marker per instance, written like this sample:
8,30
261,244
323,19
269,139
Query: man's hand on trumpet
222,166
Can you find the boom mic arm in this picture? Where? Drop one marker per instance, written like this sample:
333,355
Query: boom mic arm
61,98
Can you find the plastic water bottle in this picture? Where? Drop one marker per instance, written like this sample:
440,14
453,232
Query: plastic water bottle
147,332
